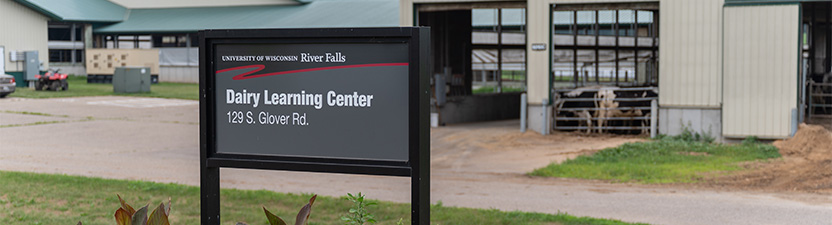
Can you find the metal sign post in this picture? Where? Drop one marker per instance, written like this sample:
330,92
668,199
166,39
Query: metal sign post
339,100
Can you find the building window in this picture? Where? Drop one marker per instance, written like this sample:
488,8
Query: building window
194,40
604,47
65,56
63,32
59,34
132,42
498,56
175,40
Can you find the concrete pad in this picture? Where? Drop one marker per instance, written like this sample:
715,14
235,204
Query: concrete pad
144,102
7,119
111,107
105,148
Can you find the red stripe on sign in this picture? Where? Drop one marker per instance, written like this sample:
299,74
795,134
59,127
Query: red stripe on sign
250,75
259,67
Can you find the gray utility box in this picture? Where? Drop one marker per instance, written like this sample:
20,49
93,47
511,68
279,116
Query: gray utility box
131,79
32,64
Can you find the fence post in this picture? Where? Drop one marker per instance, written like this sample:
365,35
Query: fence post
545,129
654,112
523,105
811,98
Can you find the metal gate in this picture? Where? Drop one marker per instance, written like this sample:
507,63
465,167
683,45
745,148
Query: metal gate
820,100
605,109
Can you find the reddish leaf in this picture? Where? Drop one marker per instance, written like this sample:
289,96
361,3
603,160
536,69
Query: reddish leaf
122,217
167,209
312,200
140,217
127,208
158,217
303,215
273,220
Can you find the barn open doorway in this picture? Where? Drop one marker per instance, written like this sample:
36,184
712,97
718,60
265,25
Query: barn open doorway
816,39
604,66
478,53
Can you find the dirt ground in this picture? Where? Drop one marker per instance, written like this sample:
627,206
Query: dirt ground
806,165
479,147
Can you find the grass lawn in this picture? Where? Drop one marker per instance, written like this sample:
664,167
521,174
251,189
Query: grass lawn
514,75
29,198
78,86
492,89
665,160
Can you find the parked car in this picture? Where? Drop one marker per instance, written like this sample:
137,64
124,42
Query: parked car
7,85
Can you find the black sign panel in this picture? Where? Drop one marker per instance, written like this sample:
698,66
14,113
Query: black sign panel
319,100
338,100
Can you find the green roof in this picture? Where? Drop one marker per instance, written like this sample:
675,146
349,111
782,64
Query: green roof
340,13
82,10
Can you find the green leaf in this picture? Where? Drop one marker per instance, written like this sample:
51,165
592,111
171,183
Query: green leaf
304,213
273,220
158,217
127,208
140,217
122,217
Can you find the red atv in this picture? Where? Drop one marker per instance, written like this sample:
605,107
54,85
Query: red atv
52,80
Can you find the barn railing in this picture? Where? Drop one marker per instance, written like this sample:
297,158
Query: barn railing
601,109
820,99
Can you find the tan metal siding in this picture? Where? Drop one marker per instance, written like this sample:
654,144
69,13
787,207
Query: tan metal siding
179,74
406,13
760,70
690,53
537,62
22,29
594,1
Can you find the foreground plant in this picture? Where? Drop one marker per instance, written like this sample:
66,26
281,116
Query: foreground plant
126,215
358,213
301,219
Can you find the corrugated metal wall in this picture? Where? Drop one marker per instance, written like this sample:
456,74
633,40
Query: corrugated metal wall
22,29
179,74
537,62
690,53
761,70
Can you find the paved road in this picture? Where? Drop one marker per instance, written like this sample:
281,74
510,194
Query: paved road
107,136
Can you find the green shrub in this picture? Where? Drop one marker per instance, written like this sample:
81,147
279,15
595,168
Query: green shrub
358,213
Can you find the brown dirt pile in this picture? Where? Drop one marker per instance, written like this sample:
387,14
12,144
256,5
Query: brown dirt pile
806,165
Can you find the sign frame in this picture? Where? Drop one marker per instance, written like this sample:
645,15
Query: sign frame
418,143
